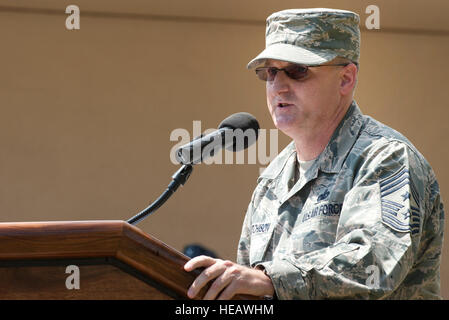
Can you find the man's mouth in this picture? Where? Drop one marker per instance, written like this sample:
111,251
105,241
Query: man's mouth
283,105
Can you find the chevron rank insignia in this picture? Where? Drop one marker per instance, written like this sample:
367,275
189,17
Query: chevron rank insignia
399,202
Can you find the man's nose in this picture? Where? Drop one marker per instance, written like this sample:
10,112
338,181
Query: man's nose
280,82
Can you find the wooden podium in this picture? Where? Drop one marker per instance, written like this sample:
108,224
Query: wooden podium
88,260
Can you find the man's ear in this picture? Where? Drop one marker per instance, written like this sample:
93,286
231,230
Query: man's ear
348,79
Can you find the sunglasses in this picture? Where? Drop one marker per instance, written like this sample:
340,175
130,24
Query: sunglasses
293,71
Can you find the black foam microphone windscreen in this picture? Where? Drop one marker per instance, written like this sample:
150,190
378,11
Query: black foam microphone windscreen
246,129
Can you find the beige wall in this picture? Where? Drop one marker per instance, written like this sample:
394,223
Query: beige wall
86,115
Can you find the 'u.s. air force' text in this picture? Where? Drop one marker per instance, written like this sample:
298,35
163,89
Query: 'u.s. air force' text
327,209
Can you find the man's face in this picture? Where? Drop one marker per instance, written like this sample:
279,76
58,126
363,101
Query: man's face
306,105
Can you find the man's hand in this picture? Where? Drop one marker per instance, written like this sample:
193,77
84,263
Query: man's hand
228,278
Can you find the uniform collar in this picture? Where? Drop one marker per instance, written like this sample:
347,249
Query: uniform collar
333,156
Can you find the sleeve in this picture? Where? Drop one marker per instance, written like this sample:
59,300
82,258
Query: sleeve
390,221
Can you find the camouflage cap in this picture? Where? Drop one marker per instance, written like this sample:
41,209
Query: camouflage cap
311,36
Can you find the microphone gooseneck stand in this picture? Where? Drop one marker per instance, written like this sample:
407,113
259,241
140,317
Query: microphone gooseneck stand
180,177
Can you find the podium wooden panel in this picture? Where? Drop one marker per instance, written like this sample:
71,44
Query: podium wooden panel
115,260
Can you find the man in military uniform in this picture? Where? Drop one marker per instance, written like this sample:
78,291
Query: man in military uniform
350,208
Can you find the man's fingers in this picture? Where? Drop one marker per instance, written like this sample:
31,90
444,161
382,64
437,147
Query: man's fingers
198,262
200,281
212,271
217,286
228,293
228,279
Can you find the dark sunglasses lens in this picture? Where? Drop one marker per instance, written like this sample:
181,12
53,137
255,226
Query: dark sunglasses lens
296,72
266,74
262,73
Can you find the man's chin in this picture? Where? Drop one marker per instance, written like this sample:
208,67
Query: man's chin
288,129
284,121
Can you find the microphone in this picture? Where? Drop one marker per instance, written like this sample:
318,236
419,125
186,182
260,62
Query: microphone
235,133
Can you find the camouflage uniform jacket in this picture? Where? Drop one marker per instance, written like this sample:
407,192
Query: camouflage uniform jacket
364,222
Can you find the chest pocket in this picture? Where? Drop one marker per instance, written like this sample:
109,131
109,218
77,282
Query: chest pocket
315,228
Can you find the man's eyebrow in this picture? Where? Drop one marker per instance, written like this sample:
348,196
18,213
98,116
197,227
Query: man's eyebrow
270,64
267,63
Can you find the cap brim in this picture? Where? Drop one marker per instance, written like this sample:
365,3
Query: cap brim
291,53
